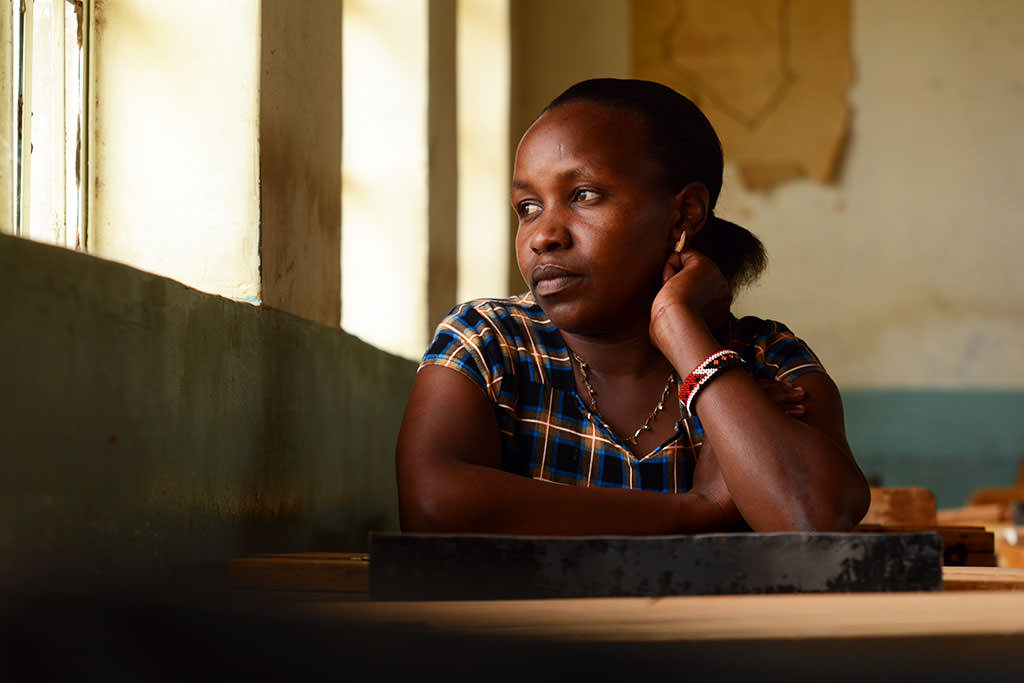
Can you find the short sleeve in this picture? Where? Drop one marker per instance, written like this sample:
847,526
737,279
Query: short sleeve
772,351
466,342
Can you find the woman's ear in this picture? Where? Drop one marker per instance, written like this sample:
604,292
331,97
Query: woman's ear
691,209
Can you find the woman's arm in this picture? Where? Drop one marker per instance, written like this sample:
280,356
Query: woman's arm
783,473
449,479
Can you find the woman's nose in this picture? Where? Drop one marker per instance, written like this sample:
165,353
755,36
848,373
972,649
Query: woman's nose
550,231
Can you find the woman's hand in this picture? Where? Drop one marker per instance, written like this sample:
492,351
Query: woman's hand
788,397
693,289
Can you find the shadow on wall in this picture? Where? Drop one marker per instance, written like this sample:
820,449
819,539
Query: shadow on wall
148,427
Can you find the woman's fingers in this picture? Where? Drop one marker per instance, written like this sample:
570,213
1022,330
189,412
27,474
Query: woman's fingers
673,264
789,397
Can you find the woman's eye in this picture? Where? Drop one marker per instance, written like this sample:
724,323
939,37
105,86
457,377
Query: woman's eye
527,208
585,195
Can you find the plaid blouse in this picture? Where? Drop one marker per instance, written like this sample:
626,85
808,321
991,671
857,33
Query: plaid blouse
513,352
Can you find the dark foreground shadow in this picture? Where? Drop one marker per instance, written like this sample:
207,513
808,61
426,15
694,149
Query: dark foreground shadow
75,637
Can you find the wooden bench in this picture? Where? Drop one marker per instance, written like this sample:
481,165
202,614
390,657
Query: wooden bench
345,576
913,505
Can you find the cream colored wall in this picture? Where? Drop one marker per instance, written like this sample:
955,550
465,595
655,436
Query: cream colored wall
907,271
553,45
175,186
425,172
901,274
384,238
482,98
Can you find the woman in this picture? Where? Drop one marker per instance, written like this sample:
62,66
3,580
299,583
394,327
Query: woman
631,276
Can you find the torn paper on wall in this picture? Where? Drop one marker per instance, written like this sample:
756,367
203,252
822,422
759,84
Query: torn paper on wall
772,75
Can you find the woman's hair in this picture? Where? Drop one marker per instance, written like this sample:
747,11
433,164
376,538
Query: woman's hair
687,148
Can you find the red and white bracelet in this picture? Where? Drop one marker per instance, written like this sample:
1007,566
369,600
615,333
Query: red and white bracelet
702,374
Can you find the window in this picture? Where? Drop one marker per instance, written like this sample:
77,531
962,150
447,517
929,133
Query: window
46,189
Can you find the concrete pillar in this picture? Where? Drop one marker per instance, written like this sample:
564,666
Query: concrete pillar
300,158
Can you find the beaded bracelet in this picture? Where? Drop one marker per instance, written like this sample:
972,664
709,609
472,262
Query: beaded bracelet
702,374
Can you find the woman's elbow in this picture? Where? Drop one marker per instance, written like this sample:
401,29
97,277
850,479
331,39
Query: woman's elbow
421,512
840,511
436,510
823,508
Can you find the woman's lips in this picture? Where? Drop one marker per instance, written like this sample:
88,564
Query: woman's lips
549,280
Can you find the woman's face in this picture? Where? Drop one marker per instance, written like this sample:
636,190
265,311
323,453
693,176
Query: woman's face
595,224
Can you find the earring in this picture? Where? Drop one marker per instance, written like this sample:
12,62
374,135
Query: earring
681,243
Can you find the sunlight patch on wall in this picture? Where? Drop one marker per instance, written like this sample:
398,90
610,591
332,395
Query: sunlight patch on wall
384,173
484,236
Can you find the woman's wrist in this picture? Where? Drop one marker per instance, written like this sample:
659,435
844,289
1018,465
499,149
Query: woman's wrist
682,336
674,320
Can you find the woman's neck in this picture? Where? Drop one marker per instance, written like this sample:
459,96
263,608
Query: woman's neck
627,355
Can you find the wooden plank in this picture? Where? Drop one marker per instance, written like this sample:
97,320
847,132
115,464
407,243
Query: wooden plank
343,572
997,495
976,515
1011,556
982,578
468,567
901,505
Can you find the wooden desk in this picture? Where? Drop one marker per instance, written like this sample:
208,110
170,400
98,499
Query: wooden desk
706,618
975,631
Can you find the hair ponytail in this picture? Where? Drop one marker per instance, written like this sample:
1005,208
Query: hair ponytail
739,254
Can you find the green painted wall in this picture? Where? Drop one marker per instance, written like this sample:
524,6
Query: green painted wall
147,427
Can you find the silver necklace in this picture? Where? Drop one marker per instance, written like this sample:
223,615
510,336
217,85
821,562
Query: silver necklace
646,426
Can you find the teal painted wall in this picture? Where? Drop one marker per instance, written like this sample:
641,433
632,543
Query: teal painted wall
952,442
146,427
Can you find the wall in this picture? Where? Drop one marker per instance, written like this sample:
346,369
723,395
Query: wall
904,274
385,241
216,147
482,100
553,45
907,268
148,427
174,165
906,264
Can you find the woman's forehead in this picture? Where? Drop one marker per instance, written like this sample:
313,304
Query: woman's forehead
596,134
597,121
